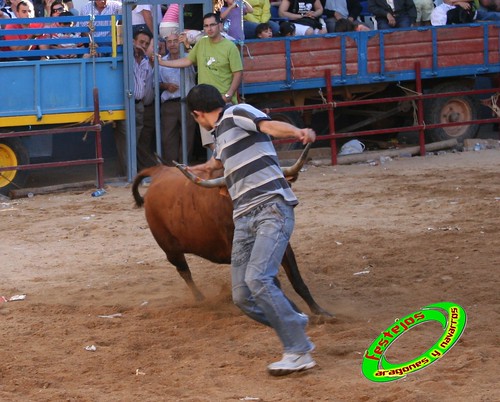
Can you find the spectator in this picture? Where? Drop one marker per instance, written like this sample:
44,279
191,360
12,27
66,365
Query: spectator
261,14
142,17
393,13
287,28
306,16
346,25
453,12
101,7
218,61
354,7
424,9
7,10
24,9
171,121
143,94
232,14
264,31
489,10
337,9
56,8
71,8
61,35
334,11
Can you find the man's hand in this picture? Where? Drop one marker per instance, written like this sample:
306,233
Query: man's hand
171,87
391,20
307,135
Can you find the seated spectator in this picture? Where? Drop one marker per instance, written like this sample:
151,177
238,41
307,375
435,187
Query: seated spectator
393,13
453,12
306,16
66,35
231,14
346,25
261,14
287,28
338,9
424,9
71,8
489,10
7,10
24,9
56,8
101,7
264,31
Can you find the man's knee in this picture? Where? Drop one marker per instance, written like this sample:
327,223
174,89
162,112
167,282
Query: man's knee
241,297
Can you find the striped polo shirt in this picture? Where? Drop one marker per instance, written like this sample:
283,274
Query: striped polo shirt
251,167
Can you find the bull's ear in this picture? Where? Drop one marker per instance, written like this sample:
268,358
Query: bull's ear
160,160
292,179
223,191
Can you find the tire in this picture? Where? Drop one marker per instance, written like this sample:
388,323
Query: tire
12,153
292,117
451,109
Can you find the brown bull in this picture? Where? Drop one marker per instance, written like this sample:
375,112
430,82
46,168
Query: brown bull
185,218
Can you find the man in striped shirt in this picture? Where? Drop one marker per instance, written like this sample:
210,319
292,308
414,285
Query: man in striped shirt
263,215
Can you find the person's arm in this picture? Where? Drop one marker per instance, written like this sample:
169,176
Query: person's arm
376,8
178,63
280,129
206,169
284,13
318,10
235,83
148,19
248,7
226,11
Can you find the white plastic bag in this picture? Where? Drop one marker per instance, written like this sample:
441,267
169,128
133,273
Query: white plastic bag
352,147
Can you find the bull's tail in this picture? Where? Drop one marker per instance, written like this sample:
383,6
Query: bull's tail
139,200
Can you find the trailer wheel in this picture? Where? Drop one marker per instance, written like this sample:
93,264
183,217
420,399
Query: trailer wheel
12,153
450,110
292,117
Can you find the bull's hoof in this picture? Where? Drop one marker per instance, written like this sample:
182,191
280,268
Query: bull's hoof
199,297
321,312
322,319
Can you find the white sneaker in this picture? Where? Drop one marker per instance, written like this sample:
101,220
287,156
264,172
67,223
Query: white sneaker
290,363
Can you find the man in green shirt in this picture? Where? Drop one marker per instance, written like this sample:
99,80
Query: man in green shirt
218,61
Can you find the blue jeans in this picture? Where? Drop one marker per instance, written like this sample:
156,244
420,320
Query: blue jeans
260,240
484,15
402,21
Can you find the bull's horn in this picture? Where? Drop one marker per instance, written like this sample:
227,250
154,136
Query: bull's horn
289,171
210,183
293,170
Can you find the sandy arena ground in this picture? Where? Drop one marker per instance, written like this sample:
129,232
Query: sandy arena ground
423,230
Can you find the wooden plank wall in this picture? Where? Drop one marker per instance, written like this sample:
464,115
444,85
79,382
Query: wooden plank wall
311,57
264,62
459,46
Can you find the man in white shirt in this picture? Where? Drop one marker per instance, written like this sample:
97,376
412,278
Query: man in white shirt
144,95
171,97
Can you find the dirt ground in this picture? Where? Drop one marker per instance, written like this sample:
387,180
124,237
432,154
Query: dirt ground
373,243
